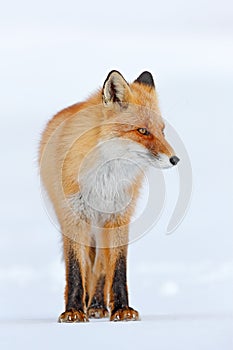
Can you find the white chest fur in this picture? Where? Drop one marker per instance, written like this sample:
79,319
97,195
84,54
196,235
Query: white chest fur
106,178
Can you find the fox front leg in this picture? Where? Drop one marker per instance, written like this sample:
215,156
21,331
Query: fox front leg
75,286
117,284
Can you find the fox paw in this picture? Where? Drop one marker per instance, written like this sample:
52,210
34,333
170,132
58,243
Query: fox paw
97,312
124,314
73,316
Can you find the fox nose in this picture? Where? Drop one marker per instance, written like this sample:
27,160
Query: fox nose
174,160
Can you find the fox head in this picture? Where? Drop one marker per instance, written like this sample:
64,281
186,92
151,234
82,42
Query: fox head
134,111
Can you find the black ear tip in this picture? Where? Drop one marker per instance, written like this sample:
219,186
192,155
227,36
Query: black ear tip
111,74
146,78
114,71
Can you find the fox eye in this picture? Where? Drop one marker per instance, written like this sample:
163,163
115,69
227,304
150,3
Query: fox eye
143,131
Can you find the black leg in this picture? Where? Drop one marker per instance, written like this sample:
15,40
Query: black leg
98,307
74,294
119,303
119,285
75,291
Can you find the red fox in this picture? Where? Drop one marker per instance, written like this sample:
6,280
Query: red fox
92,156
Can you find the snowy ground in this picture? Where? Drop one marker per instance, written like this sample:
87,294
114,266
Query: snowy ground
154,332
183,283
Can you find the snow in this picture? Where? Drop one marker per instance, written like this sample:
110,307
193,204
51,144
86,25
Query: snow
182,283
161,331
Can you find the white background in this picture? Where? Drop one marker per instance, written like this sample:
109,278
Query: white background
56,53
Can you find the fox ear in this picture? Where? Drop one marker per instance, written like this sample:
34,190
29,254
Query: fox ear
146,78
115,89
